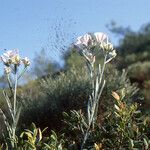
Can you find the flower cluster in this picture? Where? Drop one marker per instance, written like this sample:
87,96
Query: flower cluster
11,59
86,43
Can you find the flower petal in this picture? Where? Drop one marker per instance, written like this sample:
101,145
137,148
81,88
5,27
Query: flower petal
101,37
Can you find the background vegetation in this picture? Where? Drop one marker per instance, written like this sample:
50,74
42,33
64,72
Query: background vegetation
57,90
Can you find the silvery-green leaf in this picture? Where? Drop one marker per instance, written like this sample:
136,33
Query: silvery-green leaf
145,143
116,107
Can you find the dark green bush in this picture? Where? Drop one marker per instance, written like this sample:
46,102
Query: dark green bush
53,96
67,91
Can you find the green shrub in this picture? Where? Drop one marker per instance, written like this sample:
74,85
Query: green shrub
53,96
123,127
139,71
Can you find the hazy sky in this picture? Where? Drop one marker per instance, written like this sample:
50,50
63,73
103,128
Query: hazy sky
29,25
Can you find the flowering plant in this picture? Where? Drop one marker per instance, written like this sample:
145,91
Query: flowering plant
86,46
12,61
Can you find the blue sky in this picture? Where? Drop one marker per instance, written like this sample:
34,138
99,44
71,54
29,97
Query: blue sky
29,25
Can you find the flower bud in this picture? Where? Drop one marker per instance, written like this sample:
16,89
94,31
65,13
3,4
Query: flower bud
26,61
112,54
16,60
106,47
115,95
7,70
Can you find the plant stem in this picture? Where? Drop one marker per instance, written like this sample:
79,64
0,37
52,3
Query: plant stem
10,85
14,110
96,93
15,93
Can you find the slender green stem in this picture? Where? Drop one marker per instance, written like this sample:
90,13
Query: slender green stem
85,137
97,95
15,93
10,85
104,64
95,99
14,110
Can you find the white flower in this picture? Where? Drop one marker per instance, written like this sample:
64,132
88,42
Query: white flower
16,60
11,57
101,37
10,53
83,41
26,61
88,44
106,47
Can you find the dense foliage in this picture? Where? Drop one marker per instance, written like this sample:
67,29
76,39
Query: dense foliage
58,100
